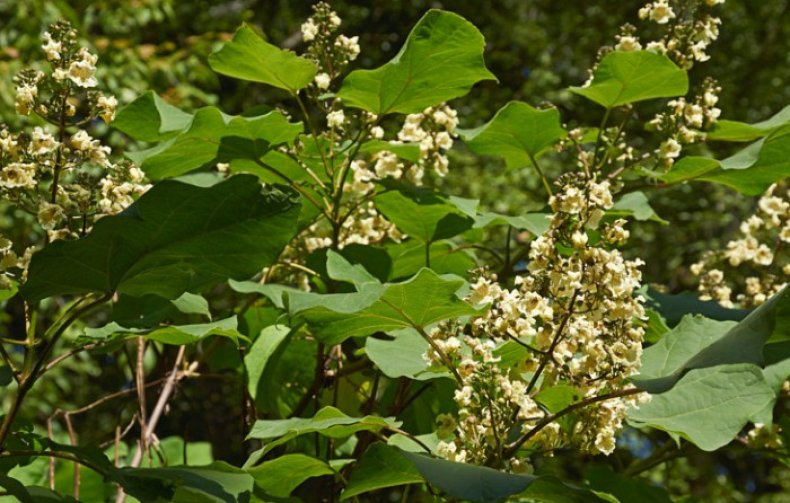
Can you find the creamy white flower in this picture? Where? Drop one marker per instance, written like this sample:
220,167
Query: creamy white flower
106,106
377,132
628,43
661,12
669,149
83,69
335,119
322,80
52,48
309,30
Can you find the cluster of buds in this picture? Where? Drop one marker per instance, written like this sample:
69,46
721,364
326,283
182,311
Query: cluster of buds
330,51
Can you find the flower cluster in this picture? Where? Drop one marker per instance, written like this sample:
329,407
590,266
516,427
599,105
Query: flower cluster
575,315
331,52
432,131
760,253
687,37
58,172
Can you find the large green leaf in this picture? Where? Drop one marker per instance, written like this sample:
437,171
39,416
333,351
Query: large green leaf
381,466
150,118
212,136
708,406
176,237
250,57
727,130
536,223
424,214
628,77
280,476
667,362
750,171
442,59
417,303
517,133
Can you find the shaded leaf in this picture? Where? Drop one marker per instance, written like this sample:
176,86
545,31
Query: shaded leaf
442,59
381,466
176,237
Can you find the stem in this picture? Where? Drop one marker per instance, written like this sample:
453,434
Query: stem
599,139
313,132
557,337
293,185
59,156
540,172
512,448
27,379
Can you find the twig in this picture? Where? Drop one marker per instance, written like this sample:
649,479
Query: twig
512,448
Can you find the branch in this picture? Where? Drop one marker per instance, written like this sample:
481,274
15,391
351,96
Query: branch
512,448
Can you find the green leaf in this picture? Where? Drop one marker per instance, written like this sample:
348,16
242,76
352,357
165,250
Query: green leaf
211,137
637,205
727,130
178,335
279,477
708,406
424,214
750,171
381,466
190,303
149,118
742,343
10,292
340,269
628,77
261,352
417,303
442,59
402,356
329,422
557,397
517,133
249,57
176,237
